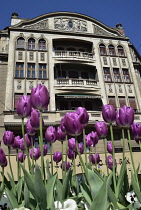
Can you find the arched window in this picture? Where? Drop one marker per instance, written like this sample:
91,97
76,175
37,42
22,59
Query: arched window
120,51
42,44
31,44
20,43
102,49
111,50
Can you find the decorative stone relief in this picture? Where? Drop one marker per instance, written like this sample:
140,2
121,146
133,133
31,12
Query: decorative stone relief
30,85
19,86
114,62
42,56
20,55
42,82
69,24
130,89
43,24
110,88
123,62
100,31
105,60
31,56
120,89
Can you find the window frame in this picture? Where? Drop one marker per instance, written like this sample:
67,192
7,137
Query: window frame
31,44
42,44
19,72
42,71
31,70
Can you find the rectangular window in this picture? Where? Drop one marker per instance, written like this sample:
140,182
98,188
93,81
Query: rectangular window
112,101
107,76
42,71
126,76
116,75
132,103
16,97
122,101
30,70
19,70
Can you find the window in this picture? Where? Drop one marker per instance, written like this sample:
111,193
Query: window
112,101
84,75
31,44
126,76
120,51
16,98
116,75
132,103
61,74
73,74
30,70
75,104
111,50
42,71
19,70
88,105
42,44
64,105
20,43
102,49
107,76
122,101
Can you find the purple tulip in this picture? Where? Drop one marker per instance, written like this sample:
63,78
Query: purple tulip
72,124
109,113
35,153
29,129
72,144
35,119
110,162
0,143
126,116
118,119
57,156
29,142
21,157
24,106
3,160
94,158
45,149
62,126
94,138
65,166
138,140
16,144
40,97
89,142
50,134
136,130
8,138
71,154
83,115
61,136
102,129
109,147
81,148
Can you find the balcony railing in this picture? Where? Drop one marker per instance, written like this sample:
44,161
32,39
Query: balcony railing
73,54
79,82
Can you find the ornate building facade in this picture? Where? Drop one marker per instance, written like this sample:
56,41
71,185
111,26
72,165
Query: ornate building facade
80,60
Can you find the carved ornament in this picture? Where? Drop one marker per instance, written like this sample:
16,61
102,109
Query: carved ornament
100,31
43,24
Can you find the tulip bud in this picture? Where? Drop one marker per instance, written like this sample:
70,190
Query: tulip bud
126,116
40,97
29,142
35,119
72,144
62,126
8,138
109,113
21,157
81,148
71,154
65,166
50,134
89,142
45,149
110,162
29,129
35,153
16,144
94,138
24,106
109,147
57,156
136,130
102,129
3,160
94,158
83,115
61,136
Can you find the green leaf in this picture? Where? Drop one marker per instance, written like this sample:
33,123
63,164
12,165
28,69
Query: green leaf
112,198
40,191
19,188
100,202
135,187
50,191
86,193
59,189
47,169
29,181
1,189
66,185
11,182
26,195
95,182
11,198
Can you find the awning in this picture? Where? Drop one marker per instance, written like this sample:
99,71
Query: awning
79,96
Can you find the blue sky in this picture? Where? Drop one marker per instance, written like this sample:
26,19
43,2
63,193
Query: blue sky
109,12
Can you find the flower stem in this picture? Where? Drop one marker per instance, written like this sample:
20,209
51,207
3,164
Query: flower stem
95,158
25,145
18,166
41,144
85,150
113,153
9,160
66,153
105,152
51,158
123,139
62,160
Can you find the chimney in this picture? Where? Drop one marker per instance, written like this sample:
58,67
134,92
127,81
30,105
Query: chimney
120,28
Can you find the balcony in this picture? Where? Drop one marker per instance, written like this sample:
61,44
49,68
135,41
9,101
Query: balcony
75,82
62,54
